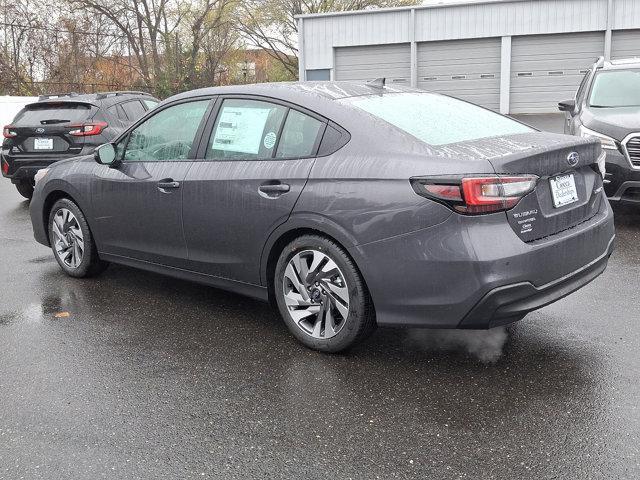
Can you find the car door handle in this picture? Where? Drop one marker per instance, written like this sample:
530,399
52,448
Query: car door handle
274,189
167,184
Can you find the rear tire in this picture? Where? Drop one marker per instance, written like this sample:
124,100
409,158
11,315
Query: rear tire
322,296
72,242
25,188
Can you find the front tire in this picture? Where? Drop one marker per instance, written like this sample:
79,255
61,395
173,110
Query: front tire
25,188
72,242
321,295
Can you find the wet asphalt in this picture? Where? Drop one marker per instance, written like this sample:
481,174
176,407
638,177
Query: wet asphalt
135,375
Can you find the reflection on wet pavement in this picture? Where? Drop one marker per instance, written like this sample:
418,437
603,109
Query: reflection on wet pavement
151,377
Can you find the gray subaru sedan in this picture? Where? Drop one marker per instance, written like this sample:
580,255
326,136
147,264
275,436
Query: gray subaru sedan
346,205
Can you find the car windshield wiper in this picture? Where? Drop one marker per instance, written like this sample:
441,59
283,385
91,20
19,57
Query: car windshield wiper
53,120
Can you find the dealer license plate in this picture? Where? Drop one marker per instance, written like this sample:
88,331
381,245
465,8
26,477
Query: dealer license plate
563,190
43,143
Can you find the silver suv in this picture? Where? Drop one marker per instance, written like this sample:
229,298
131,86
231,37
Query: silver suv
607,107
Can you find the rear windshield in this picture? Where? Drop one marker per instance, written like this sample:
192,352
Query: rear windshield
50,114
616,88
437,119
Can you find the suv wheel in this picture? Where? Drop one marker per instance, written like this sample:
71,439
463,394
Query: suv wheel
321,295
72,242
25,188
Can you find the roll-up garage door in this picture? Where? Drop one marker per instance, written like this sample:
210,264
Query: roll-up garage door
467,69
367,63
625,44
546,69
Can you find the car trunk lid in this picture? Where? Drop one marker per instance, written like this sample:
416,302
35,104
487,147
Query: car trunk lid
568,191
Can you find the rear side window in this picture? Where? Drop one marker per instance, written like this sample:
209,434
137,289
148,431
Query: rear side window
53,113
245,130
299,136
117,112
134,110
151,104
437,119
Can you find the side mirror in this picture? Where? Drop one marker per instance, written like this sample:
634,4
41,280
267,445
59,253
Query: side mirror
567,106
105,154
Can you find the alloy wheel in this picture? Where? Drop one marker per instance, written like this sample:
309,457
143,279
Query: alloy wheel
316,294
69,240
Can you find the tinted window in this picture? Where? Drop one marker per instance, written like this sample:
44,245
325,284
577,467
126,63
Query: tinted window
151,104
168,135
616,88
134,110
117,112
299,135
245,129
436,119
53,113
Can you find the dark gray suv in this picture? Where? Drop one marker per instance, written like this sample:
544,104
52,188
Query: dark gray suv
607,107
346,205
65,125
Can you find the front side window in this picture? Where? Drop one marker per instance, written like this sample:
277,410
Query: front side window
437,119
168,135
299,136
245,130
616,88
151,104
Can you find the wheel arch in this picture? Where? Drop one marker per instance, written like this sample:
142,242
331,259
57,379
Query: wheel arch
49,201
286,233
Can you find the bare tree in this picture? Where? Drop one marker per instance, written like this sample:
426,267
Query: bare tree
271,24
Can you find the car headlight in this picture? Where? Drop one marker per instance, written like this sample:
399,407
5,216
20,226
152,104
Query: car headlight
40,174
608,143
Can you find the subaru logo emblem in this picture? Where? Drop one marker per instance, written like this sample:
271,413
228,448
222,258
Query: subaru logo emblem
573,158
39,130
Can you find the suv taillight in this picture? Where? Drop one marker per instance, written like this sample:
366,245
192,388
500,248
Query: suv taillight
476,195
8,133
87,129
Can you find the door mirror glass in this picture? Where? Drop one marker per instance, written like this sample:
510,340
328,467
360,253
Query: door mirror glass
567,106
105,154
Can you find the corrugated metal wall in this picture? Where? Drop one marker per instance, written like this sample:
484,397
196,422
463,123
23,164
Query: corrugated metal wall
323,35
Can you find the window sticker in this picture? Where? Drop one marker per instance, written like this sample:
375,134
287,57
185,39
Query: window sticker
240,129
269,140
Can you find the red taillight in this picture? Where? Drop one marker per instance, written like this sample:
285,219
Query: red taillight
87,129
7,132
476,195
5,167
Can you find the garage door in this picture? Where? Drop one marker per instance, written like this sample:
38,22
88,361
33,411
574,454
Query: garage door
625,44
367,63
546,69
467,69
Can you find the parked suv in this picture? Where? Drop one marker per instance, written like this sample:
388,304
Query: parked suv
607,107
62,126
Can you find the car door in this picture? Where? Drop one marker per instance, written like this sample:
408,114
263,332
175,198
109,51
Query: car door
252,167
138,203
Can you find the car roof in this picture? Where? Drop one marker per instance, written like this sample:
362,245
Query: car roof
332,90
620,64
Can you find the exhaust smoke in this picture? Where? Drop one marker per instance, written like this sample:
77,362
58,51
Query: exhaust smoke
485,345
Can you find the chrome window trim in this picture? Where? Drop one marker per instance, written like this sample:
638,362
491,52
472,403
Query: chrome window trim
626,152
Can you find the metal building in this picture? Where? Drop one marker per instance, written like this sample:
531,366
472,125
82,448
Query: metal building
515,56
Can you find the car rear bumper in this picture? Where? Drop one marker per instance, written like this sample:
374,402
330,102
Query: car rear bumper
474,272
508,304
24,168
622,182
